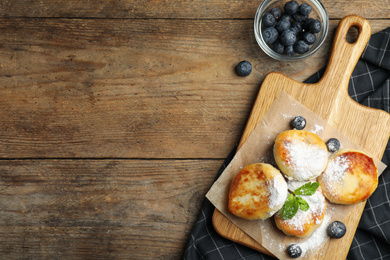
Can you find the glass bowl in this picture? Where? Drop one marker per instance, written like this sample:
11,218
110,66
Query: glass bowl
318,12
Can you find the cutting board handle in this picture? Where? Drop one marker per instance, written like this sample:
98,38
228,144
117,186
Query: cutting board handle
345,55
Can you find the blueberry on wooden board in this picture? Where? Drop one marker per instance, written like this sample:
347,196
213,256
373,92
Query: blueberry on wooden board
294,251
305,9
244,68
270,35
268,20
309,38
333,145
288,37
337,229
276,13
299,122
301,47
291,7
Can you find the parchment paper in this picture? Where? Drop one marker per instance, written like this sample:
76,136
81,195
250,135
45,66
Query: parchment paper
258,148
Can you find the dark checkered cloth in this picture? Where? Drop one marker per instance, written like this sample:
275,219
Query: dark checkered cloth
370,86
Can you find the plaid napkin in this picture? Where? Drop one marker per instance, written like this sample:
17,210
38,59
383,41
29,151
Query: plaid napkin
370,86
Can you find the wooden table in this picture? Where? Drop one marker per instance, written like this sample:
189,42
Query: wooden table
116,116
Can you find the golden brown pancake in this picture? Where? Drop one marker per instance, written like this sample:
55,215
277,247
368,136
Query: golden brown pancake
350,177
300,155
257,192
304,222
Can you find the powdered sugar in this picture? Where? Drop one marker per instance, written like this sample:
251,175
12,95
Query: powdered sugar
317,205
307,161
316,129
277,193
335,172
318,237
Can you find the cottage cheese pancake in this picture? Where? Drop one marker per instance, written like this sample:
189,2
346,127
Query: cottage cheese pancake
257,192
303,223
350,177
300,155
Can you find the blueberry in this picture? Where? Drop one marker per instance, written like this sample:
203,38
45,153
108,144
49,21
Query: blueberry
282,25
301,47
315,26
268,20
289,50
288,37
270,35
337,229
244,68
309,38
291,7
276,13
306,23
294,251
299,17
297,27
333,145
299,122
278,47
285,17
305,9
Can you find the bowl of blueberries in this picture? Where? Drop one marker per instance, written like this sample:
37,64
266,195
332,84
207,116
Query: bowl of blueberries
290,30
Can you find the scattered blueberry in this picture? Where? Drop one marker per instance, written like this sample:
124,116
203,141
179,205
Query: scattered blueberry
333,145
270,35
244,68
299,122
269,20
276,13
301,47
283,25
294,251
337,229
315,26
309,38
291,7
288,37
289,50
305,9
278,47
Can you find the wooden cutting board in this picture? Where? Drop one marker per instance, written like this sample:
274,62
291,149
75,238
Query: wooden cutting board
329,99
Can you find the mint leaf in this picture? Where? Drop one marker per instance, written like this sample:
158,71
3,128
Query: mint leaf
303,205
307,189
290,207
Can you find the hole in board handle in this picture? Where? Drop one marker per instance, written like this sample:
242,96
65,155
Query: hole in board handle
352,34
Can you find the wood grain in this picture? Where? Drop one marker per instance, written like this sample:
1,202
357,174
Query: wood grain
100,209
187,9
78,88
367,127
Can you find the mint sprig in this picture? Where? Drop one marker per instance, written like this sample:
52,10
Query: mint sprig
293,201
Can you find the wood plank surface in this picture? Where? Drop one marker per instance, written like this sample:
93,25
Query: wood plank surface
78,88
185,9
116,115
100,209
